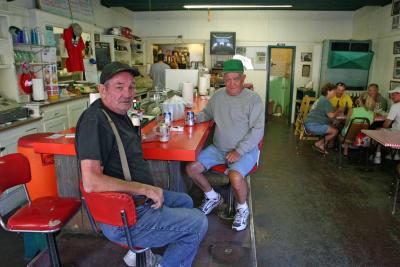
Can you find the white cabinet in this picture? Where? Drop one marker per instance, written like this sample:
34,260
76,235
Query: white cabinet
60,116
75,110
56,125
55,118
9,138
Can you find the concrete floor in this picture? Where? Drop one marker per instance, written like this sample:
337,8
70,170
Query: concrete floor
307,212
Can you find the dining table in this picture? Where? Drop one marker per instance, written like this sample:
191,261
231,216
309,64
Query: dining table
390,139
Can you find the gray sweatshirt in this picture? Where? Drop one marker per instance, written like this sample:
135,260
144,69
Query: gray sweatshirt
239,120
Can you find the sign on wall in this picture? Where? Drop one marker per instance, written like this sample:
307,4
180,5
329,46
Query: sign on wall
81,10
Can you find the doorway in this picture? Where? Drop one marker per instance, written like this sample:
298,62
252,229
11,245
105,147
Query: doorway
280,81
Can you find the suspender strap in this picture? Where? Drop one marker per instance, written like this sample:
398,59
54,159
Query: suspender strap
121,150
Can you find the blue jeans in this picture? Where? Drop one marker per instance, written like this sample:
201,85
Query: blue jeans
175,225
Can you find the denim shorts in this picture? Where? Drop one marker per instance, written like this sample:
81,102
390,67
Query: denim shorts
317,128
212,156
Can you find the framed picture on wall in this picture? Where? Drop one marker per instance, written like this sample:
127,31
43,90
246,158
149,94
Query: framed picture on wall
396,47
394,84
396,68
395,7
305,71
307,56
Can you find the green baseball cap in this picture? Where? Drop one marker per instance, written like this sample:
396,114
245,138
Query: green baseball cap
233,65
115,67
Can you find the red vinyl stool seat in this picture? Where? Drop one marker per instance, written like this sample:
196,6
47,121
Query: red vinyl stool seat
117,209
45,215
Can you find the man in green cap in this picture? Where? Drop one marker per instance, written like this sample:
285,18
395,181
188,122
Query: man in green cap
239,117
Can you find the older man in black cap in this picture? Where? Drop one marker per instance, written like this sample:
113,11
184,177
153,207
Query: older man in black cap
166,218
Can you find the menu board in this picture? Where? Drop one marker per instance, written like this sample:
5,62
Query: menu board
76,9
103,56
82,10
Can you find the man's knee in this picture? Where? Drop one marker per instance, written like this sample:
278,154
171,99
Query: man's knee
194,168
236,179
187,201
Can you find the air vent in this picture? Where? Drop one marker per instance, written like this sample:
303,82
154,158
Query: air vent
355,46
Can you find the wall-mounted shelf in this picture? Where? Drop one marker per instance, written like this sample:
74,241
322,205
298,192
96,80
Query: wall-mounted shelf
121,51
116,42
31,45
36,63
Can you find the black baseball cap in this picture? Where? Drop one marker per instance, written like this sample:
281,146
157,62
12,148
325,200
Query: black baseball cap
115,67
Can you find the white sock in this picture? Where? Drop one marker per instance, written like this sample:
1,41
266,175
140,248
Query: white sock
211,194
242,206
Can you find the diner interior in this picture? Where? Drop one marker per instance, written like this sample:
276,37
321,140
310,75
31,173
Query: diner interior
319,195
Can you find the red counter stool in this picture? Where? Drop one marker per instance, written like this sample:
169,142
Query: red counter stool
229,212
117,209
43,173
45,215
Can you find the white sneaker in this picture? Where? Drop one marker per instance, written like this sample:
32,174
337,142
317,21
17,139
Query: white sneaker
240,220
130,258
152,260
209,204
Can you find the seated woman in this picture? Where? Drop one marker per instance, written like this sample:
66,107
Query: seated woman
365,110
321,113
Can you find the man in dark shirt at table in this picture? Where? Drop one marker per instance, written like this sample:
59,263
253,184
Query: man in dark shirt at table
168,218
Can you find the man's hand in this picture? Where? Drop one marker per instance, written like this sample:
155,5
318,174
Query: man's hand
232,156
156,194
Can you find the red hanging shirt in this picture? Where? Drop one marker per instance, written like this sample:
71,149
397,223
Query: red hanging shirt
75,59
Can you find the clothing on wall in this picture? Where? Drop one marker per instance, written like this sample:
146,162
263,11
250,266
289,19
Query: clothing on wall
75,46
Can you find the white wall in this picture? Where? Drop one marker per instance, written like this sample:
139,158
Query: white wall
303,29
376,23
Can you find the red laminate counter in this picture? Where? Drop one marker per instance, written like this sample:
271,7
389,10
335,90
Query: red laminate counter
182,146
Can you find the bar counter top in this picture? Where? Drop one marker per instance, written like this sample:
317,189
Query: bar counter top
182,146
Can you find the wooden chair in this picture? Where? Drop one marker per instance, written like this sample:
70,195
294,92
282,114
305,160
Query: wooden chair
45,215
355,127
117,209
300,130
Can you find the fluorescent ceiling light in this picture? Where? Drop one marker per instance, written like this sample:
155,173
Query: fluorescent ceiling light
234,6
